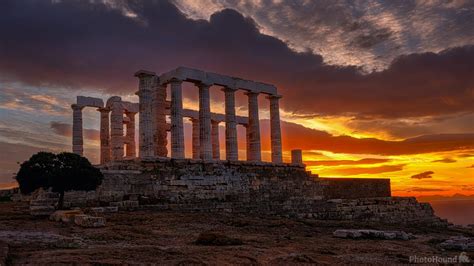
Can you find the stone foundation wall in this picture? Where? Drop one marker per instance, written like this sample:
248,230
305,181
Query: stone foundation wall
355,188
245,187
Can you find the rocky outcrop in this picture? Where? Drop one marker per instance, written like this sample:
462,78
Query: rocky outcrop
459,243
372,234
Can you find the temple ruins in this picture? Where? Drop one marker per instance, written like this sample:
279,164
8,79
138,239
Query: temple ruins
153,108
161,180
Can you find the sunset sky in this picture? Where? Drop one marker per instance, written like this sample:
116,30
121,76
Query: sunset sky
370,88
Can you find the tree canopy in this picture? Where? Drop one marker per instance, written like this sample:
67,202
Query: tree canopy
61,172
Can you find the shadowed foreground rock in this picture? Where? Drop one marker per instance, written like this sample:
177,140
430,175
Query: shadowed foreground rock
215,239
372,234
168,237
459,243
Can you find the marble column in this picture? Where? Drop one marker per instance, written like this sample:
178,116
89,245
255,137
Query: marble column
231,145
116,130
205,122
296,157
77,135
275,129
247,142
104,135
160,126
254,128
215,140
145,130
130,135
177,132
195,138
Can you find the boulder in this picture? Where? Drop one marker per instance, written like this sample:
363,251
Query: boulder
372,234
89,221
458,243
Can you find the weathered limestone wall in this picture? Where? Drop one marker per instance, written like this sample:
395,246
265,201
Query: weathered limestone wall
249,187
180,181
355,188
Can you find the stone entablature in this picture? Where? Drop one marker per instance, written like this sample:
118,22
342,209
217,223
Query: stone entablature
153,109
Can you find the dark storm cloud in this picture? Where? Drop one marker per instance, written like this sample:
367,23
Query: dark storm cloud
445,160
424,175
371,170
345,162
84,45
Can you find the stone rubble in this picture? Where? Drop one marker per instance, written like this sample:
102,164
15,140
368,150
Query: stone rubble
89,221
372,234
459,243
43,204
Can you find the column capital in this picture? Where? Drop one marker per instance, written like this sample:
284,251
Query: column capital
176,81
103,109
76,107
144,73
251,93
193,119
128,113
215,122
229,89
203,84
274,97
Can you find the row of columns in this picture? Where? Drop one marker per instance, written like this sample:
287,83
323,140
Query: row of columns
112,137
207,147
196,140
153,126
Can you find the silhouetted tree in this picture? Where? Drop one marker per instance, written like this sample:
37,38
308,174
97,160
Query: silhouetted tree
61,172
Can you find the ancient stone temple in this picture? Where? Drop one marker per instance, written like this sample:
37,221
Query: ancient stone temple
161,179
153,108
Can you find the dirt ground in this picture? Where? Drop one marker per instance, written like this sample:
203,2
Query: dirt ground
169,238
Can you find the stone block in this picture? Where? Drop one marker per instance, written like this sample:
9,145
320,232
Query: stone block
130,204
44,210
64,216
89,221
458,243
90,101
104,209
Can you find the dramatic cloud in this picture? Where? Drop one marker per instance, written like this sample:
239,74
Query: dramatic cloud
371,170
156,36
445,160
423,189
427,174
346,162
368,33
297,136
65,129
31,101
